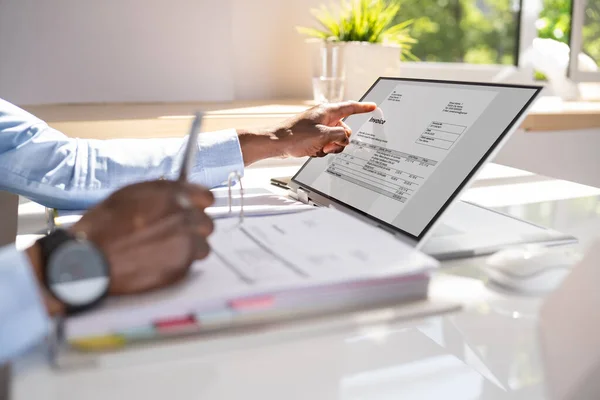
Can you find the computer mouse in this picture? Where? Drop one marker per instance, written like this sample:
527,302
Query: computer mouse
531,269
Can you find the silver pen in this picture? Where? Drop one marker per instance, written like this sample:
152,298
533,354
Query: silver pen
189,157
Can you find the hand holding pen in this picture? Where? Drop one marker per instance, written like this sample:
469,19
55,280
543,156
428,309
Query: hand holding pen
151,232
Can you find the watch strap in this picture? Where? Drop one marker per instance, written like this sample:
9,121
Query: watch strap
48,244
53,241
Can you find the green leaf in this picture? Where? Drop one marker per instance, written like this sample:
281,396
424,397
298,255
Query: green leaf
312,32
362,21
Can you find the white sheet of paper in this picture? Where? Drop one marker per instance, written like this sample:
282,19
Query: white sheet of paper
265,255
257,201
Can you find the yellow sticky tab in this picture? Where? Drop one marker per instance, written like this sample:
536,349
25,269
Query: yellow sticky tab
99,343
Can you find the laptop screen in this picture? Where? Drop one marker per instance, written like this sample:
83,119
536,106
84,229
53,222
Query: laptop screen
407,160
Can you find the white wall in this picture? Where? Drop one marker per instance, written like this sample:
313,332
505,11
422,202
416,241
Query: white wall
74,51
69,51
271,59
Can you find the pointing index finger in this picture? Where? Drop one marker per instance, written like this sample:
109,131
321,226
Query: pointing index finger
347,108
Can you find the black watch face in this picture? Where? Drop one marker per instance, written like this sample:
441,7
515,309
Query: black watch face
77,274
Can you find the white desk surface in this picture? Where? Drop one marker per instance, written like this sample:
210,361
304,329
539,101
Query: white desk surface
486,351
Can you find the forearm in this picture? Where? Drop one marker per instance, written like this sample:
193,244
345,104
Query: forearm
63,172
43,164
259,144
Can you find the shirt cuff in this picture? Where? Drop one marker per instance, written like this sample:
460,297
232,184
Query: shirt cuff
23,318
219,155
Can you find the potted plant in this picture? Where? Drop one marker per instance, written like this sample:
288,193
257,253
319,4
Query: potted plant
360,36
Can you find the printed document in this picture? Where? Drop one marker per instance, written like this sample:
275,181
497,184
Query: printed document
267,255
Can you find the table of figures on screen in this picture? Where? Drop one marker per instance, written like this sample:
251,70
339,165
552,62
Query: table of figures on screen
379,169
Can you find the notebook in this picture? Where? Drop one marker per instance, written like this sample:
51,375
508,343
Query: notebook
266,269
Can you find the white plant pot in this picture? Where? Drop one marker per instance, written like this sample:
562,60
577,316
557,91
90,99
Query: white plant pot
365,62
362,63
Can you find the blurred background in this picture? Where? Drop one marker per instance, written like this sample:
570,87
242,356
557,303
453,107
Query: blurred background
73,51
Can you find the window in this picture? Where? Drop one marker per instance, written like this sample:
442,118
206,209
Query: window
554,22
497,33
585,41
591,30
470,31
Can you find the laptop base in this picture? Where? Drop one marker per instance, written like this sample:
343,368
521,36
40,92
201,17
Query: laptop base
469,230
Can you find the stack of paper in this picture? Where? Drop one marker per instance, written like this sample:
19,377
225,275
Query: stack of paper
271,267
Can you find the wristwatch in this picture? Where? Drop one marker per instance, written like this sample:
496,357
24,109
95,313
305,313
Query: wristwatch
75,271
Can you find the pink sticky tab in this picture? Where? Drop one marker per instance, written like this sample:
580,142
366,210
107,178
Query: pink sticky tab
175,324
252,303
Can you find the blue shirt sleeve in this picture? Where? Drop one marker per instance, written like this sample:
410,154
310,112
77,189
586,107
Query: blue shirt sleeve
23,318
43,164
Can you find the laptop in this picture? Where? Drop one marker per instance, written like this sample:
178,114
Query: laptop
408,162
